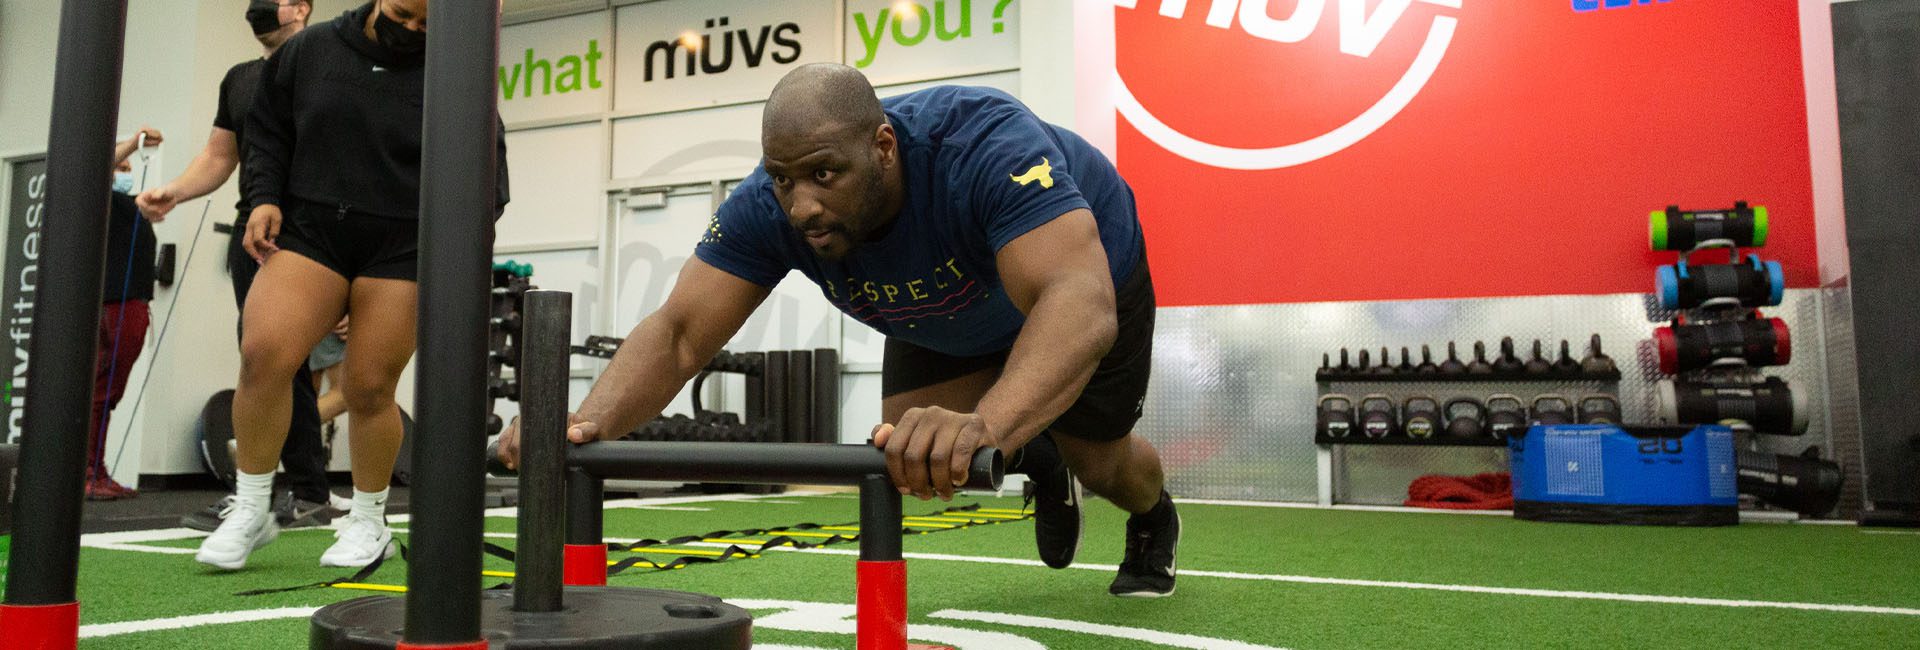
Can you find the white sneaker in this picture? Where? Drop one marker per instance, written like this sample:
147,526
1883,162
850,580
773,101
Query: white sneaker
360,541
244,529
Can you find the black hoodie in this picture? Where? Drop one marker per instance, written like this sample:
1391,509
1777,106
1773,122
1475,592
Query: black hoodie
336,121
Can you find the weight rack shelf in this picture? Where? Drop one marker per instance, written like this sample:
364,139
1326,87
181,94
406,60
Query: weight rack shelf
1404,441
1328,377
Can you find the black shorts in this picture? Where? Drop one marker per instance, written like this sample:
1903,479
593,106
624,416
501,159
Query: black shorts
352,244
1111,403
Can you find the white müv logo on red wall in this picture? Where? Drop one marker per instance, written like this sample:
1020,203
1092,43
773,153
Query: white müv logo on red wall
1360,31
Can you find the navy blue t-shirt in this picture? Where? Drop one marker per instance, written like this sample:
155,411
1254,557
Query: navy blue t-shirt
981,170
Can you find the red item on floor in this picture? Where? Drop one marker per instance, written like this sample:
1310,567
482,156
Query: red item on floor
1491,491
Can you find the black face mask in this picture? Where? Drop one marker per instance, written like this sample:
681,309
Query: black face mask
396,37
264,16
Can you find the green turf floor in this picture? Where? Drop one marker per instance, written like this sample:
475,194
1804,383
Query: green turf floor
1408,568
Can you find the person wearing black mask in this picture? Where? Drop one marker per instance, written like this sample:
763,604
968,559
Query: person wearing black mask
308,502
333,178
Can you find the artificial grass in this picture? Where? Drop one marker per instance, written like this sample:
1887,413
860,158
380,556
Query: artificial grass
1769,562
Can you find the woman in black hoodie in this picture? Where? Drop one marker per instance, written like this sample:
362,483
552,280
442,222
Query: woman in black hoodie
333,166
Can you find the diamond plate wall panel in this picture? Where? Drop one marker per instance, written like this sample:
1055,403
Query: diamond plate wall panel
1231,404
1843,394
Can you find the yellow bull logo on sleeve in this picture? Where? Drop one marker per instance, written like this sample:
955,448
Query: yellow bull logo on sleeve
1042,172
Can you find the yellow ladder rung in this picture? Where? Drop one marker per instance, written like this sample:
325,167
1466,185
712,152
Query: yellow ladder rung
1001,511
990,515
854,529
809,535
956,520
369,587
921,524
678,551
497,574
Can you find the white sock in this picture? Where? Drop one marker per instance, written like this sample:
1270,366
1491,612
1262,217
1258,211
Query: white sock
254,489
371,505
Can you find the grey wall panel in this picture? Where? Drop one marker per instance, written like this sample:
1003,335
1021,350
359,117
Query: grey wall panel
1877,74
1231,404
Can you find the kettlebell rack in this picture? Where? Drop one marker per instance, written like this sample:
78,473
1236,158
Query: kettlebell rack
1454,403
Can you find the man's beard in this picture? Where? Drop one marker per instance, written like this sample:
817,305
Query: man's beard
865,223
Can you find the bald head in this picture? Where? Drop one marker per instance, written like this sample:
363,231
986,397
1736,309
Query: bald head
821,97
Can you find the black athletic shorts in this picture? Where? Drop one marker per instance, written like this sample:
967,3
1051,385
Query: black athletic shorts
1111,403
352,244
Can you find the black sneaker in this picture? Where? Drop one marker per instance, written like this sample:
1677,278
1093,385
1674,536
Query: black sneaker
1054,496
1148,570
209,518
292,512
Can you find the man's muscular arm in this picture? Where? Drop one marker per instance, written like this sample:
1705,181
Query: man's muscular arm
1057,274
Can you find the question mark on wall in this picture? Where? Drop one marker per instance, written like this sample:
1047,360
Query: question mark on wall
999,10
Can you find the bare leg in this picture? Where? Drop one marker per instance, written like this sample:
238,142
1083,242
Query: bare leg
383,313
334,401
1125,471
294,303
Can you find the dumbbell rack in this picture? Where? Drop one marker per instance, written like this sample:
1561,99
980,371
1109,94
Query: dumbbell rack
1329,454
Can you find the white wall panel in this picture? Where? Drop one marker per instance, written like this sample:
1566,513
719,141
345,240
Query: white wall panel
558,185
709,144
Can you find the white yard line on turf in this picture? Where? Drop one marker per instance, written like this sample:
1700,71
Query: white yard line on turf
1169,639
1891,532
1426,586
129,627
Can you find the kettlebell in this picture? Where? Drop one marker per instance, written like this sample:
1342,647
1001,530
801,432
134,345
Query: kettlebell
1506,416
1565,366
1538,365
1479,365
1466,418
1550,409
1378,416
1386,363
1334,416
1508,363
1452,365
1597,362
1426,367
1598,409
1420,416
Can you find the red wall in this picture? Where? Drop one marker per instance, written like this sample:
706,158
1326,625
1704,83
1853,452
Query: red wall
1525,166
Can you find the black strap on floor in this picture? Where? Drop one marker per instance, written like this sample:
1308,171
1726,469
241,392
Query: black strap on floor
358,576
